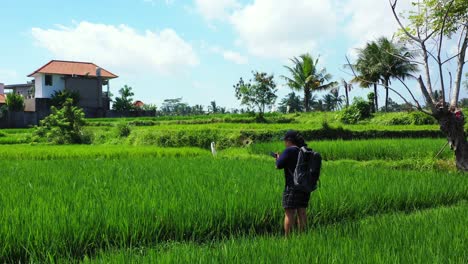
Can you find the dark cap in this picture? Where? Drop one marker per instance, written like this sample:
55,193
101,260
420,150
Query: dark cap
290,135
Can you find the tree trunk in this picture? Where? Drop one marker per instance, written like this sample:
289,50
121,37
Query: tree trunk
386,95
376,99
306,99
452,125
347,94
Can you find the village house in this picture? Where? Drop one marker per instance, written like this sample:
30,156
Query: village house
86,78
25,90
2,94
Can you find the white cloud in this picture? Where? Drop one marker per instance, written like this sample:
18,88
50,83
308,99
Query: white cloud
119,48
215,9
235,57
370,19
230,55
153,2
280,29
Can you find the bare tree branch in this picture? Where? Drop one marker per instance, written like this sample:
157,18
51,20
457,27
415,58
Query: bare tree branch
451,58
439,50
461,63
429,99
428,89
409,91
403,58
393,5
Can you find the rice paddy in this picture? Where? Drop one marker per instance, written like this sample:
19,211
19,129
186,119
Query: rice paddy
379,201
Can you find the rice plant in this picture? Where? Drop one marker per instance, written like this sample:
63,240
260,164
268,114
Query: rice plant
70,208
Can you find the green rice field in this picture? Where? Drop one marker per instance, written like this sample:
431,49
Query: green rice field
380,201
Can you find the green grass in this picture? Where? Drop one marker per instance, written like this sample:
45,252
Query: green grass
373,149
80,152
430,236
72,208
233,130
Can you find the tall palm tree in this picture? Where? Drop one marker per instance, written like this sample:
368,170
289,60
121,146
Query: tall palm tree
395,62
380,61
367,66
306,77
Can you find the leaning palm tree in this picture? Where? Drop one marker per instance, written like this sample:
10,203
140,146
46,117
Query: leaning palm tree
306,77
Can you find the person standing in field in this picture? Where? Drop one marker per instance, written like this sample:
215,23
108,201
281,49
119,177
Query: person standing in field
295,202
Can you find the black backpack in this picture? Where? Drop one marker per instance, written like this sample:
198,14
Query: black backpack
307,172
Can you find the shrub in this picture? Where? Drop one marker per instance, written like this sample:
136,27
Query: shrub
63,126
3,111
123,130
59,98
15,102
404,118
420,118
359,110
400,119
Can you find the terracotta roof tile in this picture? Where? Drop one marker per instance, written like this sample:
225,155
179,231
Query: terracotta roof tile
72,68
138,104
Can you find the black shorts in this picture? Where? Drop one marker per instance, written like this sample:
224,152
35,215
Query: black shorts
293,199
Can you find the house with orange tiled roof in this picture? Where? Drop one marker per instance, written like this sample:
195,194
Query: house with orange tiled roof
2,94
86,78
138,104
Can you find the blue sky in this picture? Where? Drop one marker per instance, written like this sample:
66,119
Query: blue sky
192,49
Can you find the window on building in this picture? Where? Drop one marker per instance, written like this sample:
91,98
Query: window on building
48,80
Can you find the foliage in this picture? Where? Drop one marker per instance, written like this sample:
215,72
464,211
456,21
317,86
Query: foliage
63,126
59,98
123,130
333,101
306,77
396,107
149,107
432,15
260,94
404,118
125,101
359,110
463,103
431,28
383,60
291,103
14,102
213,108
3,111
175,107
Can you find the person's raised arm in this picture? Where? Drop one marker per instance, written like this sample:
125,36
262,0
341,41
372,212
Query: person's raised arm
282,159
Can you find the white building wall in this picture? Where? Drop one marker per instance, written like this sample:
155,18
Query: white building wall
45,91
38,86
2,88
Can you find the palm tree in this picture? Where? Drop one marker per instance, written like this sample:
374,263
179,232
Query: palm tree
395,62
380,61
367,66
333,101
306,77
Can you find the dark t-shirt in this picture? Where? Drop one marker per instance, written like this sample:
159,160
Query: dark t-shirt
288,161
